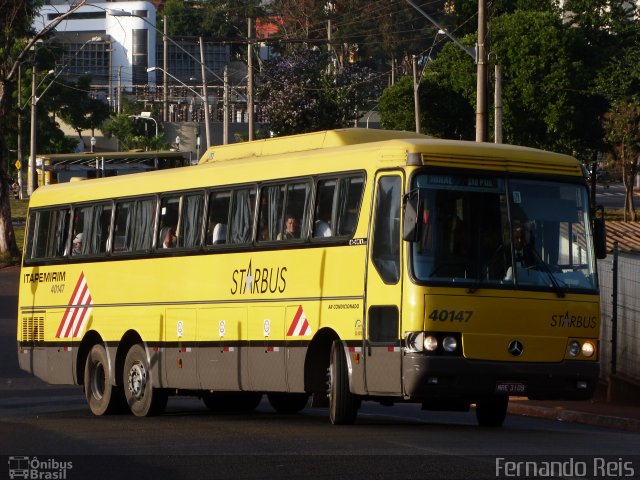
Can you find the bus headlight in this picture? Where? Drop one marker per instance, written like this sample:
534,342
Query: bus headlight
430,343
588,349
574,348
450,344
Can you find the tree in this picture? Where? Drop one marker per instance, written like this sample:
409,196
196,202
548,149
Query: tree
85,112
622,124
15,26
131,133
298,93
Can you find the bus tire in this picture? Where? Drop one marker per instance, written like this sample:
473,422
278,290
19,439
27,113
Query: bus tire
343,405
143,398
491,411
103,397
286,403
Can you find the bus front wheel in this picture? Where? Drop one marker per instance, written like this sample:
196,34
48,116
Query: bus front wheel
491,411
103,397
143,399
343,405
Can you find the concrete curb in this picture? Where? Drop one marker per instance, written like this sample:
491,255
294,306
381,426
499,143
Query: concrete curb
563,415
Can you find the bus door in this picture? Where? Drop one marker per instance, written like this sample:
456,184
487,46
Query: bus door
382,347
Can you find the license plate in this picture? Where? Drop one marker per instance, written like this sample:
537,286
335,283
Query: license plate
511,388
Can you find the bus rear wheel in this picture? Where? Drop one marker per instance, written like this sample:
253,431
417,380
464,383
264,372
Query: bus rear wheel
343,405
288,402
491,411
143,399
103,397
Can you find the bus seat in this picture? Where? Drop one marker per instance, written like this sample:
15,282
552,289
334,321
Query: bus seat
219,234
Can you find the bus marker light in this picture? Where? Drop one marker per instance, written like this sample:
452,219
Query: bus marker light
450,344
574,348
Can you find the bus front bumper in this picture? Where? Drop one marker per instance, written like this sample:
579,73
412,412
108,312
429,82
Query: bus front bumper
439,377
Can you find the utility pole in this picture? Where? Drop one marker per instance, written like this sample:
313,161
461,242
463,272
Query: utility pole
250,76
119,89
225,108
165,68
205,99
497,102
32,177
481,82
19,147
416,99
479,57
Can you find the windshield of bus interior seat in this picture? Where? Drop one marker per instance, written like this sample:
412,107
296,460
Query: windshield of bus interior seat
487,231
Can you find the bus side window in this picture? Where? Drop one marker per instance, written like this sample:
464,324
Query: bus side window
348,204
134,225
191,220
240,229
218,217
168,222
47,234
325,201
271,213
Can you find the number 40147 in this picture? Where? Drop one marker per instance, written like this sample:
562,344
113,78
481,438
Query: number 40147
451,315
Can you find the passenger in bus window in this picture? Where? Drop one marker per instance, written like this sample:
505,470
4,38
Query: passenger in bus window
291,228
168,237
76,247
523,249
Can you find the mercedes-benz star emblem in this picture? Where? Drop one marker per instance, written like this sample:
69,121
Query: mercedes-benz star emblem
516,348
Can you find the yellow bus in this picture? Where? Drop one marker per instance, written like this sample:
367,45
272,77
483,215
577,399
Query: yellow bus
340,266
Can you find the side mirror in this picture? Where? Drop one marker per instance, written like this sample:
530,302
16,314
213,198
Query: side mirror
411,226
599,233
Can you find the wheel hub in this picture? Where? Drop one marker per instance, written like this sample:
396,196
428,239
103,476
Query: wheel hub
137,380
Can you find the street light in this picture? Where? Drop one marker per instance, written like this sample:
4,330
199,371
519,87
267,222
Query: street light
205,103
33,181
146,116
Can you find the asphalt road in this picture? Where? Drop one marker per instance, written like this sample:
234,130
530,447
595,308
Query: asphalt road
53,425
612,196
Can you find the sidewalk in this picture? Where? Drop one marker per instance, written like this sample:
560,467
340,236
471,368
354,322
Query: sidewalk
597,411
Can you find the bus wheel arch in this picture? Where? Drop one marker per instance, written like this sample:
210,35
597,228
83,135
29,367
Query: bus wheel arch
316,365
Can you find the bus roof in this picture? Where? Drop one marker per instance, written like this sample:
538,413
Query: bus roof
302,143
330,151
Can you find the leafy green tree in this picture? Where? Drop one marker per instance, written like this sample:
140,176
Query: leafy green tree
131,133
84,112
15,27
298,93
622,125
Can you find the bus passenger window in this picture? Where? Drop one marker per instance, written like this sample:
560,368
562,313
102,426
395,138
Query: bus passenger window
48,232
242,212
191,220
348,204
271,211
169,217
324,209
218,217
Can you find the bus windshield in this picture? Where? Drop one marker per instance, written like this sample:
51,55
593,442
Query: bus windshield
487,231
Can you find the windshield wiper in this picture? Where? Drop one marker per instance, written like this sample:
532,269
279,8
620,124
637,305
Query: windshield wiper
484,271
560,291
